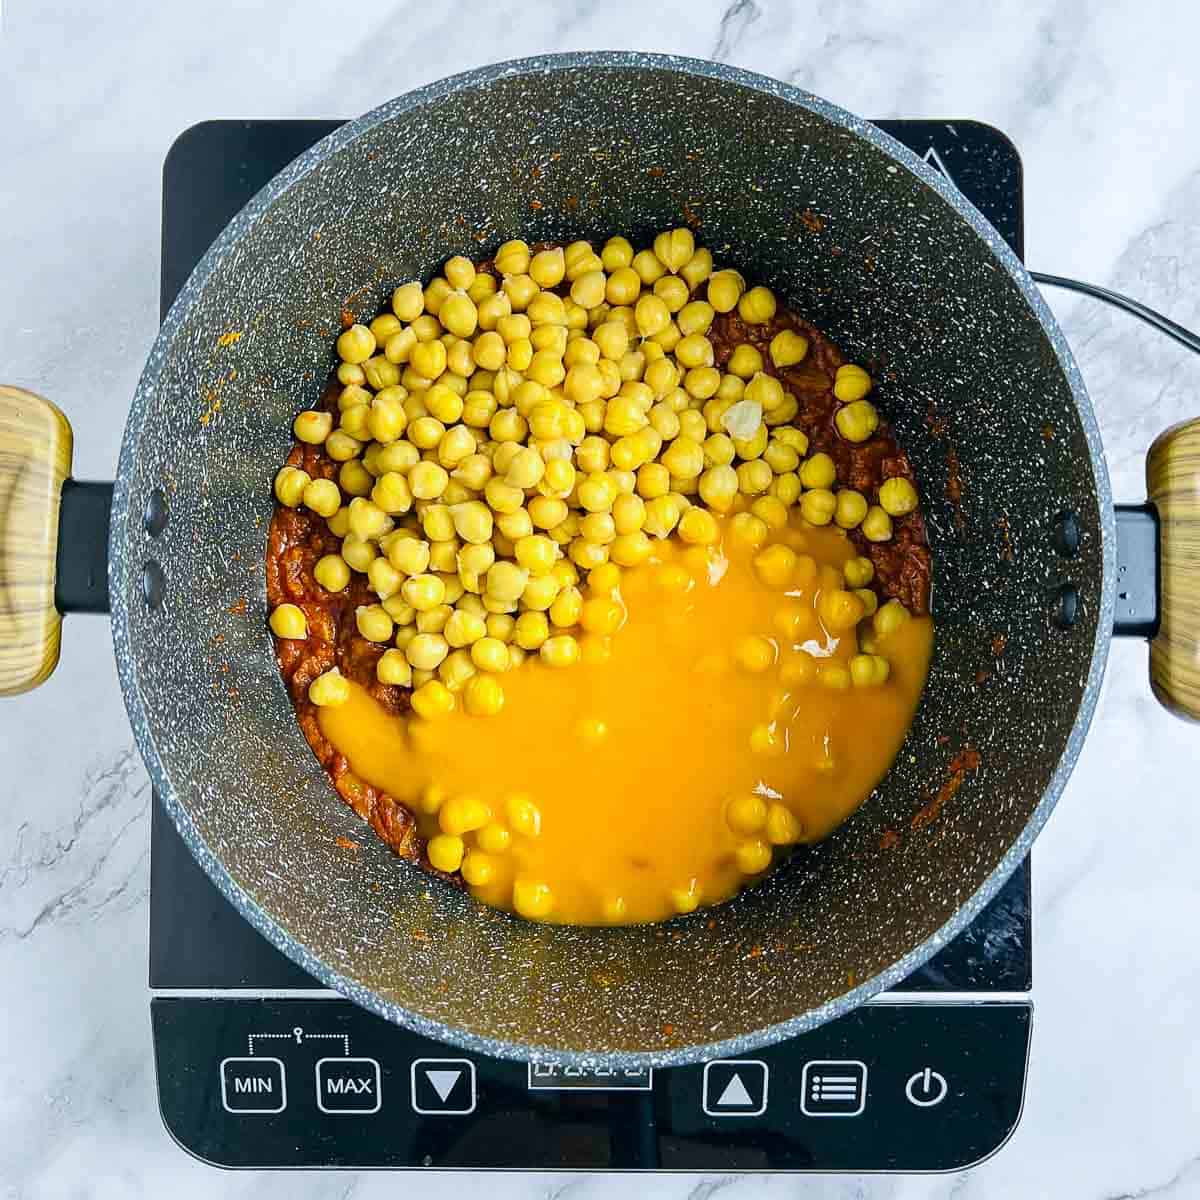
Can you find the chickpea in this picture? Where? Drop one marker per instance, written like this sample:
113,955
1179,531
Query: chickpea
725,289
330,690
851,383
876,525
562,650
757,306
290,484
857,421
818,471
890,617
851,509
322,496
547,268
698,268
331,572
897,497
513,258
356,344
753,477
675,248
818,506
288,621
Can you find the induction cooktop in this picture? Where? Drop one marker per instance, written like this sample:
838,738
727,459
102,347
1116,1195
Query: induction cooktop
258,1066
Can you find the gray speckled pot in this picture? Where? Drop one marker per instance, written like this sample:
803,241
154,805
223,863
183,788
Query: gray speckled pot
902,272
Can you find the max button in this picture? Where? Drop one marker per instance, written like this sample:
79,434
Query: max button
348,1085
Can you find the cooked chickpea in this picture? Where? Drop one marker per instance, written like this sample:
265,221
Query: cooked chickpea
782,827
702,382
698,527
288,621
428,480
630,549
290,483
765,390
851,383
651,314
464,628
648,267
426,651
428,359
753,477
725,289
559,651
443,555
355,479
753,857
394,669
851,508
566,609
869,670
384,579
818,471
490,654
890,617
331,572
775,564
513,258
424,592
748,529
755,654
788,348
818,506
329,690
445,852
313,427
876,525
356,344
547,268
675,248
856,422
897,497
322,497
757,306
373,622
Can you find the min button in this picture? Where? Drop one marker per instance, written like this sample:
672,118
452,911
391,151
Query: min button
253,1085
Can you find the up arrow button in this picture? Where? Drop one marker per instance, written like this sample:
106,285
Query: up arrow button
735,1088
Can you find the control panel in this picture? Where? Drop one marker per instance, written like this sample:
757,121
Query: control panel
898,1086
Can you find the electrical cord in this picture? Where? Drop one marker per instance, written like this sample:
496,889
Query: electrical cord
1185,337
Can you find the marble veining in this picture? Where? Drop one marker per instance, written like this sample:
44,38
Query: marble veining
1101,103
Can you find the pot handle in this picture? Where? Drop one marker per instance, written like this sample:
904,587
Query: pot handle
1173,487
35,461
53,539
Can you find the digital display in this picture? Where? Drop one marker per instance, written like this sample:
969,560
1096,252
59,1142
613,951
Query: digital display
552,1077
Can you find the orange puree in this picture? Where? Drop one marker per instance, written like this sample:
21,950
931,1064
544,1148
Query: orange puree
632,761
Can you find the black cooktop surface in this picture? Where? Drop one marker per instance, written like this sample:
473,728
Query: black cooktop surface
922,1079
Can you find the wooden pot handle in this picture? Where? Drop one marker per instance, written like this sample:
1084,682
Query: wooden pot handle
1173,486
35,459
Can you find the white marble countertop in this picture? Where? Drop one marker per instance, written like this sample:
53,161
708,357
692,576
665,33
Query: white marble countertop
1103,108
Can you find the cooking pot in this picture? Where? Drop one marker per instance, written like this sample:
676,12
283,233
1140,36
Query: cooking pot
855,233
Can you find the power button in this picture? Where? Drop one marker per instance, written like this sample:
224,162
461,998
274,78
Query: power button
926,1088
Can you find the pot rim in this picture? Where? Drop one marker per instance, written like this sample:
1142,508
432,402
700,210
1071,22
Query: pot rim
122,565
